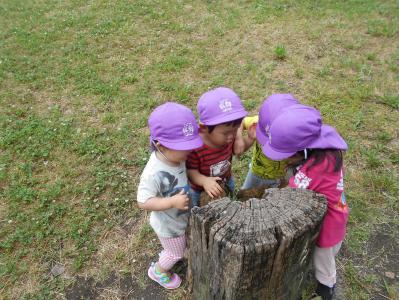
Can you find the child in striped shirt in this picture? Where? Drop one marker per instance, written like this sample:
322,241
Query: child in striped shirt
220,112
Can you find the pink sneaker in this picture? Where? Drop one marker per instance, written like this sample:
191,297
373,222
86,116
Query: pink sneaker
167,280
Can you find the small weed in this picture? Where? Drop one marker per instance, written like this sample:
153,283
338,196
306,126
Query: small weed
391,101
282,86
358,120
395,159
280,52
218,31
372,159
365,73
383,28
384,136
325,71
108,118
371,56
299,73
130,79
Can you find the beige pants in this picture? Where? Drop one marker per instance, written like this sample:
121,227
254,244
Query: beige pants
324,264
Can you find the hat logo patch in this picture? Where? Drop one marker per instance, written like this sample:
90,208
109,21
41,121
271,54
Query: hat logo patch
188,129
267,129
225,105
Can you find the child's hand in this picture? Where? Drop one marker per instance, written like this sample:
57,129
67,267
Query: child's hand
239,143
180,200
212,187
252,131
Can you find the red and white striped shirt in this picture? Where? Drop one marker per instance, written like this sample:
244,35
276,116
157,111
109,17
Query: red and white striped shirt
213,162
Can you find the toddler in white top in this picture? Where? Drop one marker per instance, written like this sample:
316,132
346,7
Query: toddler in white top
163,185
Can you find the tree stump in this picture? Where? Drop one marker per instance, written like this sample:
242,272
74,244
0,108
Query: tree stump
258,249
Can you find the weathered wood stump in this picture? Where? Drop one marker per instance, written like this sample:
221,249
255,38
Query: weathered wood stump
258,249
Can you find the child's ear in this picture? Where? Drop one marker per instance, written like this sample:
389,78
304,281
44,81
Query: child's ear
159,146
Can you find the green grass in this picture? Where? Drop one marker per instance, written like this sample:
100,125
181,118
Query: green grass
78,80
280,52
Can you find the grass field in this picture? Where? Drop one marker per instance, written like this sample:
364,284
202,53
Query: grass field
78,80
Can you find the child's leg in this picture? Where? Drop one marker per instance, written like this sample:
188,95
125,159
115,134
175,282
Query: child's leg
172,253
231,185
195,197
252,181
324,263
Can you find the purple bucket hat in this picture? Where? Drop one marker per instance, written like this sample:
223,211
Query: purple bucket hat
174,126
299,127
219,106
271,108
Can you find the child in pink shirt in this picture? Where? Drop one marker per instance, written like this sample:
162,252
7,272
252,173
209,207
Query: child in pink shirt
298,135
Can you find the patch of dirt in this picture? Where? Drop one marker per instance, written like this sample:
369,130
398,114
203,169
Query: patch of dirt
122,286
380,259
82,289
385,245
114,287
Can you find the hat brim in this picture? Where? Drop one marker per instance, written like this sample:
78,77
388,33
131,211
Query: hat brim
267,149
235,115
183,145
274,154
329,139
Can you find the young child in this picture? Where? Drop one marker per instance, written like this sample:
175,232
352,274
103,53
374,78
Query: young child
163,185
220,112
298,135
263,171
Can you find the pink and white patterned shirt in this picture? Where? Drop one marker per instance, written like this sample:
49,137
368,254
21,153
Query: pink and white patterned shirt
323,180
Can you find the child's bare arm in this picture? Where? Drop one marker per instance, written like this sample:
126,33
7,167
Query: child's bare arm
239,142
209,184
179,201
242,143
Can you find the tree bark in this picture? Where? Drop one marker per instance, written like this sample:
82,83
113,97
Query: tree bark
258,249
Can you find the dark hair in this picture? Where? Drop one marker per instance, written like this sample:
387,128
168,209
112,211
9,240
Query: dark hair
152,144
333,156
230,123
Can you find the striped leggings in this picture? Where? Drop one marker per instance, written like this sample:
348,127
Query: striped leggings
173,251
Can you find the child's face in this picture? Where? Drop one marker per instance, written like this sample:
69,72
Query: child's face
176,156
221,135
